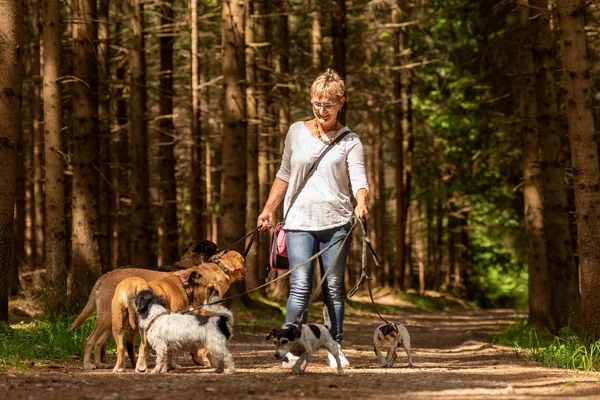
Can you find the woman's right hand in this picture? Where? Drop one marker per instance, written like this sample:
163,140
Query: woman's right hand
265,220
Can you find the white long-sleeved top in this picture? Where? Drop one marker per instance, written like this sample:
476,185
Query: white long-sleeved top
325,200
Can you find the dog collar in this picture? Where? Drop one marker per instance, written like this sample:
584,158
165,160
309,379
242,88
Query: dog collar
221,266
188,289
155,318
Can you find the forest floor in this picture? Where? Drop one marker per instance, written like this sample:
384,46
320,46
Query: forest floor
452,355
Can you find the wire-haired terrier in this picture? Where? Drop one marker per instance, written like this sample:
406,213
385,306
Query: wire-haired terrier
169,332
390,337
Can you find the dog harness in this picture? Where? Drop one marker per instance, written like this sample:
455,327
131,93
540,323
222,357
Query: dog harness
187,287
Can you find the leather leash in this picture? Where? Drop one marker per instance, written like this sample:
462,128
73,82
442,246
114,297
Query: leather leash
364,275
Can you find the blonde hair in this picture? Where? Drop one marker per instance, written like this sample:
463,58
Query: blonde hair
330,84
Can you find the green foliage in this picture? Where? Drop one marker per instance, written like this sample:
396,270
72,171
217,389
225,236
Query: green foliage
564,351
498,272
24,344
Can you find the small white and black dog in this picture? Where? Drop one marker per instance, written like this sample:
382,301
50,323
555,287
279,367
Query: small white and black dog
390,337
169,332
302,340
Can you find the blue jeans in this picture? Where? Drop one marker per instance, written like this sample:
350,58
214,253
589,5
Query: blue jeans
301,245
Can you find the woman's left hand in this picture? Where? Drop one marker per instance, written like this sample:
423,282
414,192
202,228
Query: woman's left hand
361,211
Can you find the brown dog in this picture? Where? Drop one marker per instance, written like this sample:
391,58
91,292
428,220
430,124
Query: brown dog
181,290
101,298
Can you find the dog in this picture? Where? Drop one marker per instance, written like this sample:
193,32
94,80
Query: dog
100,300
196,252
390,337
169,332
189,287
303,340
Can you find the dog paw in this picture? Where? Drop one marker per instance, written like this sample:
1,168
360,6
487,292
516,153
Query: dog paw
89,366
141,369
175,366
103,365
117,370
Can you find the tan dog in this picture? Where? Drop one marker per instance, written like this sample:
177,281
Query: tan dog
181,290
100,300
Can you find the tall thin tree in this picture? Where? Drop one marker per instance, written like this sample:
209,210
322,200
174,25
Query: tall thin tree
537,262
168,237
106,198
10,119
252,161
338,34
233,194
56,246
85,258
138,141
198,184
38,142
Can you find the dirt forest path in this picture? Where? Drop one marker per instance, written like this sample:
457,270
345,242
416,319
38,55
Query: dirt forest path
452,360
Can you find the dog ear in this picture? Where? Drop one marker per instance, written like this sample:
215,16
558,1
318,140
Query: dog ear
188,246
297,332
142,300
387,329
195,278
271,334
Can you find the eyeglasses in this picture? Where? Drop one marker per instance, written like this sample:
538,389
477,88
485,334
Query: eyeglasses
326,106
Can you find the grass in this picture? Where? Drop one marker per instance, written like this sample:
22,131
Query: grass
21,345
567,350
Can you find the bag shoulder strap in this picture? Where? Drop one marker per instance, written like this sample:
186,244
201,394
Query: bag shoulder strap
313,168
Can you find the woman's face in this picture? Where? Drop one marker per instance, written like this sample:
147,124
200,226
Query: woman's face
325,109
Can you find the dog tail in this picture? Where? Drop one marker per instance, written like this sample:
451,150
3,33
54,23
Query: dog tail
326,318
90,306
226,319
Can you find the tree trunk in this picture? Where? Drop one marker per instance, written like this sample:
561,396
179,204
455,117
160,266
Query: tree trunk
419,238
316,38
252,200
234,182
372,164
401,199
10,105
233,194
381,220
199,197
86,266
138,143
564,277
338,34
56,249
537,263
119,154
283,43
19,257
168,238
584,156
38,144
106,191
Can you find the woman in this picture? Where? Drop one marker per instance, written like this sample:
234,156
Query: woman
322,211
